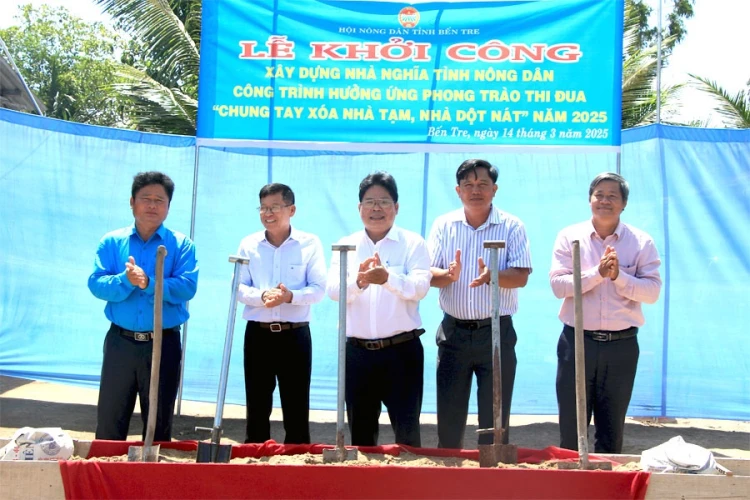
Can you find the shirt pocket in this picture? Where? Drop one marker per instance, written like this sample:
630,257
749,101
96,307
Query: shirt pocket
629,269
397,270
295,276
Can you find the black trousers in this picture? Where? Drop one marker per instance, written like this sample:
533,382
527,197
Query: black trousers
126,372
285,356
393,376
463,353
610,375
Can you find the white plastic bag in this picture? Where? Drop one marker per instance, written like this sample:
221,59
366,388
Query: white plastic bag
28,443
678,456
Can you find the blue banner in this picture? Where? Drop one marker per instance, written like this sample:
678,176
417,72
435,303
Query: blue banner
529,73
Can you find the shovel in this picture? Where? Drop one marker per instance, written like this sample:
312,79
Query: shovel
580,368
214,451
341,453
492,454
149,452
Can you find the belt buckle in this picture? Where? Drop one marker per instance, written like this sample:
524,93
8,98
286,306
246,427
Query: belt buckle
601,336
275,327
373,345
142,336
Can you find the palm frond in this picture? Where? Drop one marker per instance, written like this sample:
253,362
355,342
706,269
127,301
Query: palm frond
734,109
170,46
155,107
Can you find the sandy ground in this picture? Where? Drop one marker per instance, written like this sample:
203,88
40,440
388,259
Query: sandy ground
40,404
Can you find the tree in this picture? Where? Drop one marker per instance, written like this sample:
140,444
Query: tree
734,109
68,63
640,62
159,74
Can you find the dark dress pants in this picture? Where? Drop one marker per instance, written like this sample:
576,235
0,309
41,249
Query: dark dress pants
285,356
610,375
393,376
126,372
462,353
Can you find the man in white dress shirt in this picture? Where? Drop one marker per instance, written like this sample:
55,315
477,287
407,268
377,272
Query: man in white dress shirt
286,274
460,268
388,275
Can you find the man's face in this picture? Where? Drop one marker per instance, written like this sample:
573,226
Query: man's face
477,190
275,215
377,210
150,206
606,202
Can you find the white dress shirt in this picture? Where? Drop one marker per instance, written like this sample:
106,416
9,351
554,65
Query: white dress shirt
382,311
298,263
451,232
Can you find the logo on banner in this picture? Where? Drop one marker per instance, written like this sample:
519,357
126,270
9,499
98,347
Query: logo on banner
408,17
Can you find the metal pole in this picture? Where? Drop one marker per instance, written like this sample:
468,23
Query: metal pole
340,453
224,376
187,304
497,386
580,361
344,249
658,66
619,161
20,76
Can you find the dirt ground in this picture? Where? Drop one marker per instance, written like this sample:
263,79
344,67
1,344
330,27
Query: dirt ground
40,404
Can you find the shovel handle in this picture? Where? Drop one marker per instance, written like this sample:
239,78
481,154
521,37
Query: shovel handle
153,390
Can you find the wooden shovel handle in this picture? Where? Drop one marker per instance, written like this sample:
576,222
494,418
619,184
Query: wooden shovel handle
153,391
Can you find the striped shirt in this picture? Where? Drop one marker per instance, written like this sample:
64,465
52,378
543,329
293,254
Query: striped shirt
452,232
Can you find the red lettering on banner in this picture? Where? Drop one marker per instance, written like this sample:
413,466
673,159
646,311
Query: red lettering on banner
396,50
497,51
278,48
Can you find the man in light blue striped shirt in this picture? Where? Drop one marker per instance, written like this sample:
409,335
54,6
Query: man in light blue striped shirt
460,269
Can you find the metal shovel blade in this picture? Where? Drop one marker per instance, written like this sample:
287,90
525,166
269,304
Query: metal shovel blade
214,453
144,453
339,455
490,455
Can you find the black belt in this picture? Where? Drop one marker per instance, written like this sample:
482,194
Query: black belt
474,324
143,336
610,336
377,344
277,327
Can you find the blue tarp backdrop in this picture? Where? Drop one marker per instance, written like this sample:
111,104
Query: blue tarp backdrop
64,185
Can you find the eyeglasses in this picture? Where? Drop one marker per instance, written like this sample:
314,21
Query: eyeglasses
274,209
384,203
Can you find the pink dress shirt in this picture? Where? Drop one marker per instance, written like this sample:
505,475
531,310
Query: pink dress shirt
607,304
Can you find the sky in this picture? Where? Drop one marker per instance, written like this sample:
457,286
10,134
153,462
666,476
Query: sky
715,47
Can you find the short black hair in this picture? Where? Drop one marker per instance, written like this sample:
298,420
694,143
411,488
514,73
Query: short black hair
143,179
276,187
611,176
472,165
383,179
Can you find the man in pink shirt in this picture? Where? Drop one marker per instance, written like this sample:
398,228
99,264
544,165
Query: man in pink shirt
619,271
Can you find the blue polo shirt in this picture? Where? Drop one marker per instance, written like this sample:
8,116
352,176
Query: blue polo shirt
127,305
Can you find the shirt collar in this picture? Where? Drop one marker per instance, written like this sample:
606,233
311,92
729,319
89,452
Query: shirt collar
618,230
161,231
293,235
460,216
393,234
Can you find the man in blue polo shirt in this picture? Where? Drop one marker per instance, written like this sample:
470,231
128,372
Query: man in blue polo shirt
124,276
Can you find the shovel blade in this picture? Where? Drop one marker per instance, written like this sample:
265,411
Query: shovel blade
143,453
214,453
